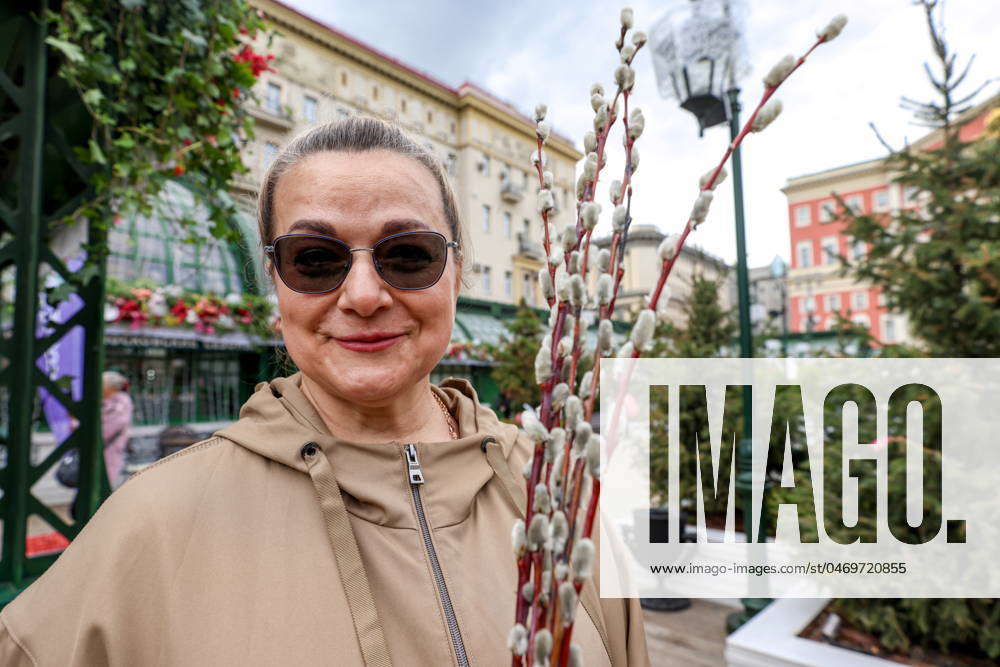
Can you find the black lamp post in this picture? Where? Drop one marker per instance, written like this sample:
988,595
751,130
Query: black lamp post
698,55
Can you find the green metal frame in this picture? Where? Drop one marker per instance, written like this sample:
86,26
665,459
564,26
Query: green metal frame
42,120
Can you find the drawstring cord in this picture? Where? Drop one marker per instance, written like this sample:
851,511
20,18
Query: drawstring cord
353,577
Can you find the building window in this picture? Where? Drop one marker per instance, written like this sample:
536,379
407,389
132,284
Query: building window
374,92
856,204
402,106
343,78
860,301
273,99
507,231
880,299
888,329
803,216
451,163
309,106
881,200
430,117
508,284
833,303
828,210
807,305
453,128
486,165
529,288
487,280
270,152
830,249
862,320
504,171
858,249
804,254
910,195
486,218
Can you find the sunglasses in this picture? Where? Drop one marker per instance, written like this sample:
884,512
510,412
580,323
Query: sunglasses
316,264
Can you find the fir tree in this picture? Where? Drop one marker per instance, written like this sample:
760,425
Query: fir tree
515,357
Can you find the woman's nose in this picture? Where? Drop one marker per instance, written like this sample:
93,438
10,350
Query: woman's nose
363,291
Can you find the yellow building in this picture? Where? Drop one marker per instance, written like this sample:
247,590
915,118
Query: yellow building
485,143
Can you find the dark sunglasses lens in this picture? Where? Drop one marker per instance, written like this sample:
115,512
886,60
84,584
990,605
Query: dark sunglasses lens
412,261
312,265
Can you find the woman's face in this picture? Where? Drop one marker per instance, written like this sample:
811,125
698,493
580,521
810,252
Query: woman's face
360,198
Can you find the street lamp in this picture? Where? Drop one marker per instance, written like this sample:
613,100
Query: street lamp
699,54
779,271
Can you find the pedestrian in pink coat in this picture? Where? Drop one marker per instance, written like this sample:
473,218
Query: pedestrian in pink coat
116,418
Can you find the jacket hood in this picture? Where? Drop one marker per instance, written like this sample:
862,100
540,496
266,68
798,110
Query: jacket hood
278,421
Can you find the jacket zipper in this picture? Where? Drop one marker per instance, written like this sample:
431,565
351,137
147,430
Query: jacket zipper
416,478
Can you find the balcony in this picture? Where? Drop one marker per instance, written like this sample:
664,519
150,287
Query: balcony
527,247
280,120
509,192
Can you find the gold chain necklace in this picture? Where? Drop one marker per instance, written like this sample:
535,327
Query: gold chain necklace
449,419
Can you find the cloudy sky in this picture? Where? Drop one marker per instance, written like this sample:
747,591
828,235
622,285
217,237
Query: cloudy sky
529,51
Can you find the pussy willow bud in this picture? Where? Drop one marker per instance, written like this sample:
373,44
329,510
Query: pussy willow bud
627,53
558,529
537,158
517,640
615,191
575,656
596,89
766,115
540,111
528,591
533,427
668,247
545,282
543,364
588,377
626,350
546,202
781,69
567,602
583,559
638,38
589,142
618,218
562,285
557,438
596,102
833,28
581,436
518,537
543,646
624,77
642,332
547,180
590,214
627,18
568,239
526,470
633,164
663,305
600,118
703,181
542,131
566,342
581,185
542,498
538,530
603,259
604,335
568,322
577,290
594,456
700,209
636,124
573,411
573,265
555,259
605,286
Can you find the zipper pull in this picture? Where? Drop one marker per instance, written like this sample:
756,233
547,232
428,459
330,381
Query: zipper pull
413,465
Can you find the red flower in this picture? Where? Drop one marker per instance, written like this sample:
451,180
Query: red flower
187,142
236,93
179,170
180,310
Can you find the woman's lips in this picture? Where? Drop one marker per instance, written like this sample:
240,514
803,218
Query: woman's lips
370,344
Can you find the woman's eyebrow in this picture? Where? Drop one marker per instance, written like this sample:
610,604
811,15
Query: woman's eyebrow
315,226
404,225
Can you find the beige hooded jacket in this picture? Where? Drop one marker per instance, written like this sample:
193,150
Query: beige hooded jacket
274,543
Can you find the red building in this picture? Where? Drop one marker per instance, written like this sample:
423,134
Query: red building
816,290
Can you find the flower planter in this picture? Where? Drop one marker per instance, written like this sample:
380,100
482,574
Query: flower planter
771,639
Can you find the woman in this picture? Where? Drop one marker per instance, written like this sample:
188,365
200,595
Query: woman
356,513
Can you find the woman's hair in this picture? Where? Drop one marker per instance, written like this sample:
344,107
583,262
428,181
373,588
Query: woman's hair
356,134
115,380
